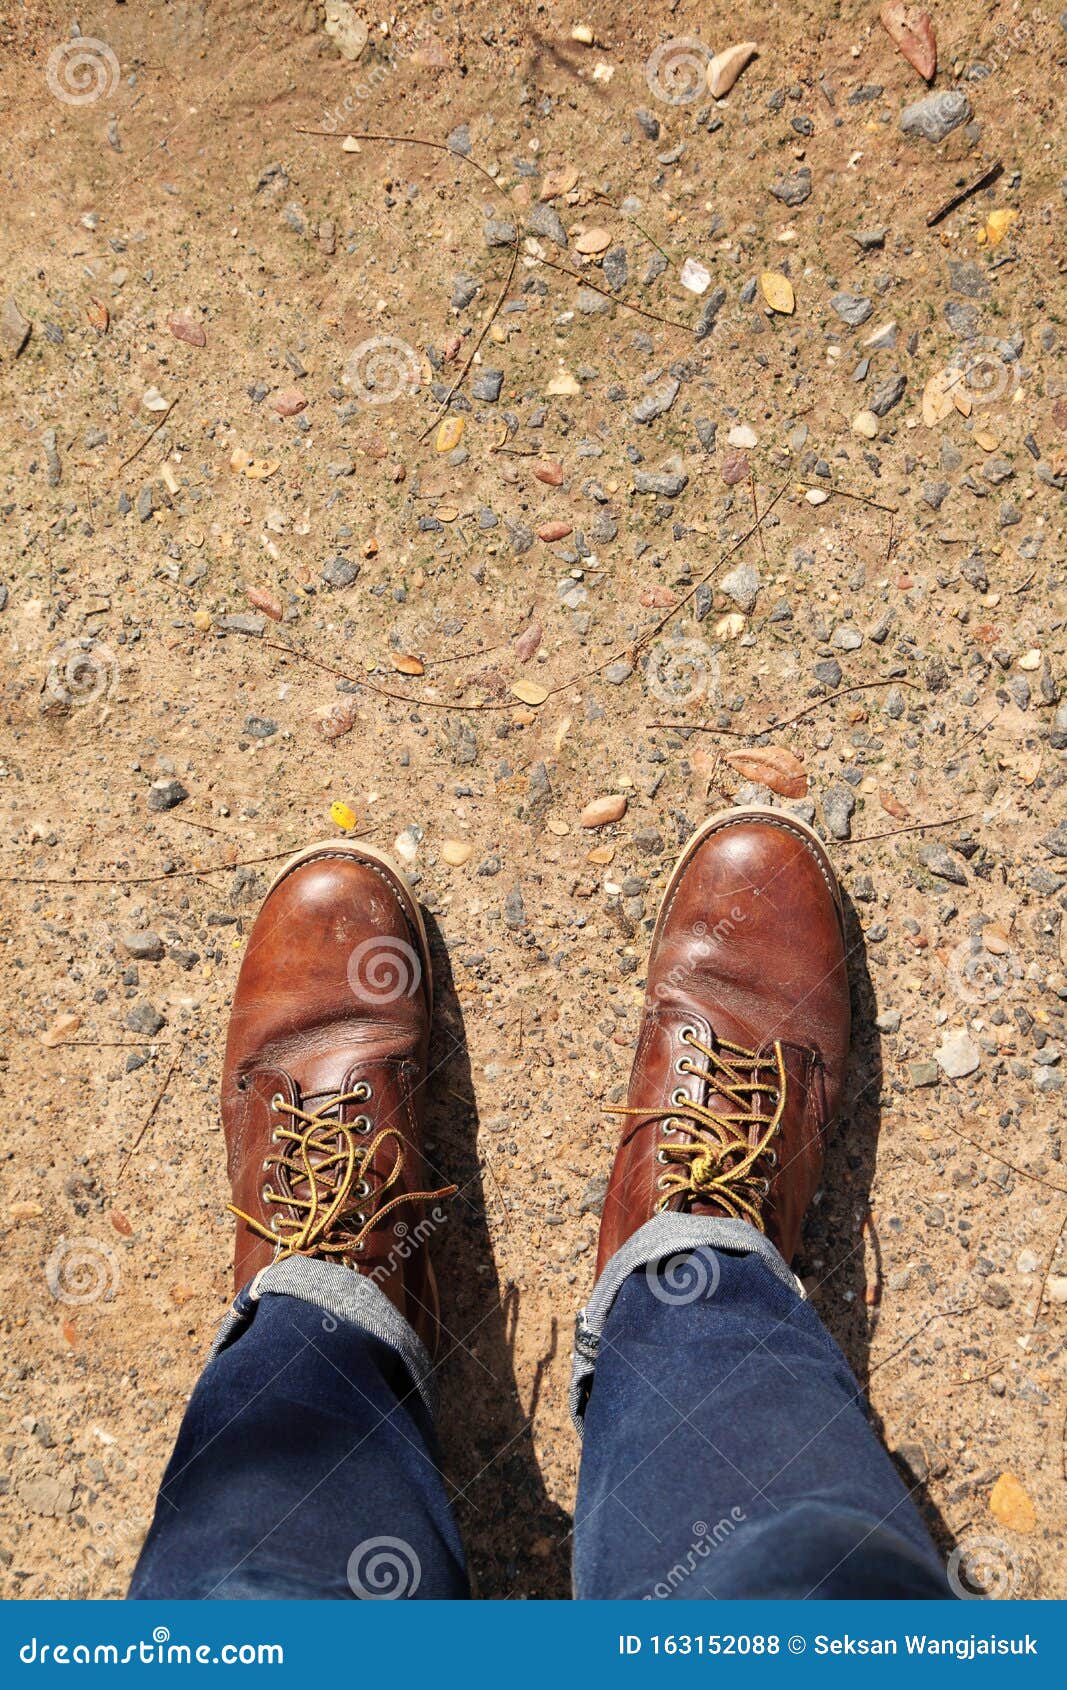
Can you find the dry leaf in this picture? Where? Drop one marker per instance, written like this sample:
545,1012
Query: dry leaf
773,766
726,67
120,1223
777,290
449,434
264,601
1011,1506
61,1029
558,182
937,396
25,1211
342,815
409,665
184,327
998,223
592,241
912,32
893,807
98,314
456,851
529,692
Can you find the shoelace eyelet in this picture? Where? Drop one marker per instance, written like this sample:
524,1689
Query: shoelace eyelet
361,1189
679,1097
362,1124
687,1034
362,1092
277,1102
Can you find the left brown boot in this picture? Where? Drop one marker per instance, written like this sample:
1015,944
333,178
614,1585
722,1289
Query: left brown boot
323,1079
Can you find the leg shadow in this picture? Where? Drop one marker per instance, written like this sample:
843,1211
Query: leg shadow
842,1253
512,1530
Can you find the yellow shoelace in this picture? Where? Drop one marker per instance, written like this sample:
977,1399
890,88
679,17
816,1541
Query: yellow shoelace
324,1159
718,1165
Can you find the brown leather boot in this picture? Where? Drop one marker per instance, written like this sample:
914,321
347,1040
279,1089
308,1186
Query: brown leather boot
741,1060
322,1082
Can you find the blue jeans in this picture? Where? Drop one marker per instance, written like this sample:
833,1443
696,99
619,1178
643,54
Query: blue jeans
727,1451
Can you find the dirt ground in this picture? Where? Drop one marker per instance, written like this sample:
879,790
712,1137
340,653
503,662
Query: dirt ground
240,562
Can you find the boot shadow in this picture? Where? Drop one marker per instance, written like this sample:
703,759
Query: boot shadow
841,1256
511,1529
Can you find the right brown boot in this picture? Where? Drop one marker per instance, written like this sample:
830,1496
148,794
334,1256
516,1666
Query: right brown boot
740,1064
322,1085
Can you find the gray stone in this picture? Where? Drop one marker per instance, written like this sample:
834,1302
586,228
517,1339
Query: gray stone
615,267
742,585
967,277
657,401
260,727
545,221
838,804
339,571
499,232
146,1019
592,304
166,794
514,909
648,123
887,394
852,308
957,1056
923,1074
667,485
795,189
464,290
460,141
245,622
143,946
936,116
487,385
708,313
938,859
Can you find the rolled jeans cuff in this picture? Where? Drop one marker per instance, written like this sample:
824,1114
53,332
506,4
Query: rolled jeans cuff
343,1295
666,1235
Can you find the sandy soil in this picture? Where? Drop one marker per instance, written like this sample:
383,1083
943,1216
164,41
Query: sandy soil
190,590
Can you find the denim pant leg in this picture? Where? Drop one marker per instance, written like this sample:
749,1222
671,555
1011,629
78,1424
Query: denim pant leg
727,1450
306,1464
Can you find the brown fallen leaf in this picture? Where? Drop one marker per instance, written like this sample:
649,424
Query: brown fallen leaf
773,766
409,665
98,314
530,692
912,32
264,601
893,807
185,327
120,1223
524,645
70,1333
62,1027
